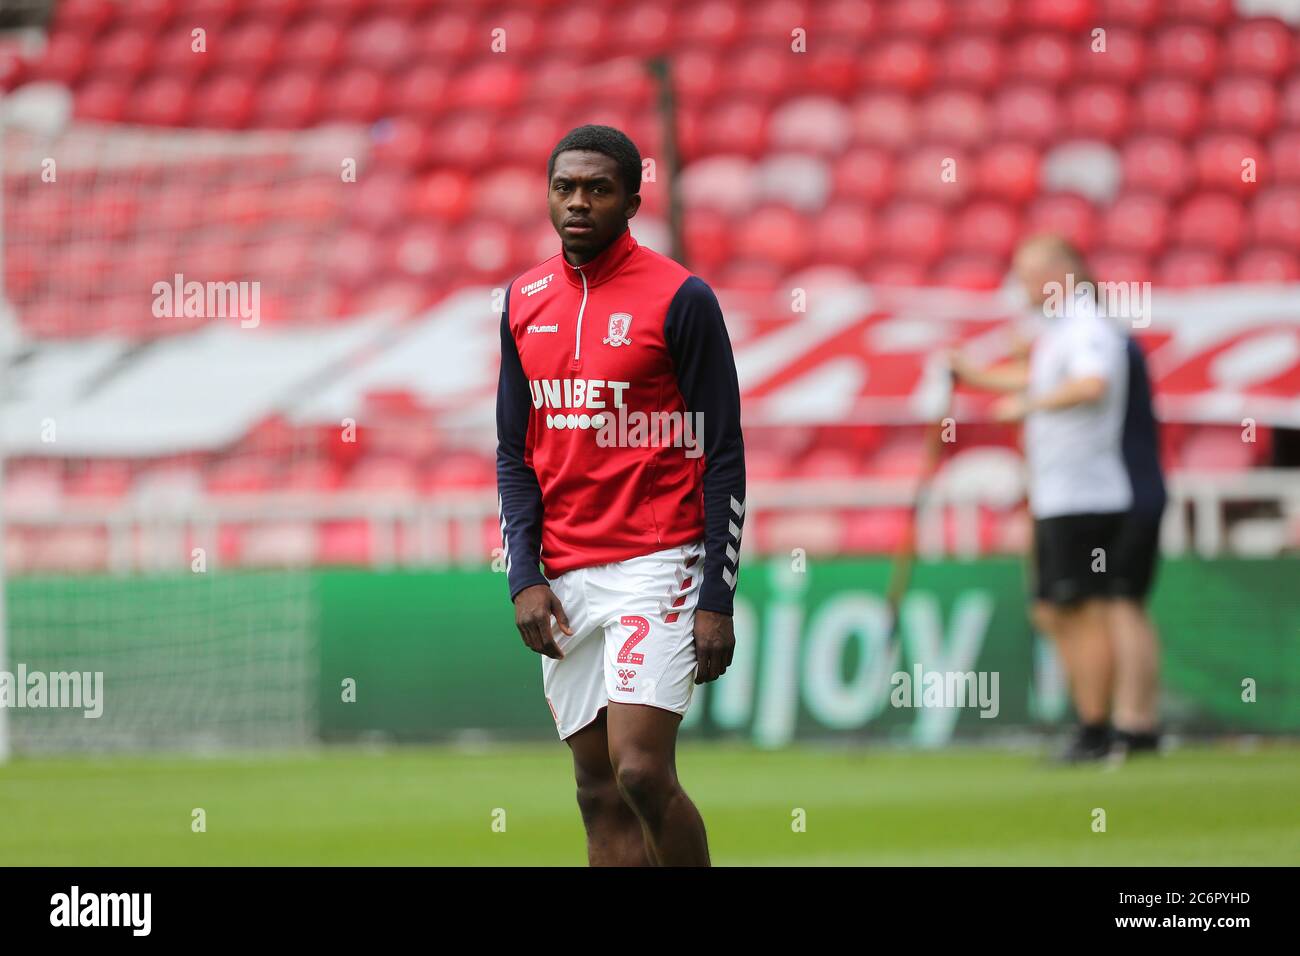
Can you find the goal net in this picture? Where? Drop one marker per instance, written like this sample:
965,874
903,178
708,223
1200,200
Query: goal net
155,596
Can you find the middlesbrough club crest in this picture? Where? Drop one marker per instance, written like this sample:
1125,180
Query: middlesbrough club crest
619,324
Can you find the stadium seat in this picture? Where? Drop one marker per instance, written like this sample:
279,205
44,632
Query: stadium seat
1136,223
1169,106
1039,59
1263,47
1182,268
1248,104
1211,221
1188,51
1265,264
884,119
1275,217
1157,165
1097,111
972,62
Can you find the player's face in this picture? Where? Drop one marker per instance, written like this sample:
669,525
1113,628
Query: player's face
589,205
1035,267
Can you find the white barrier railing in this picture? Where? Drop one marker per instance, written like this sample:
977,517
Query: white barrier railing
451,528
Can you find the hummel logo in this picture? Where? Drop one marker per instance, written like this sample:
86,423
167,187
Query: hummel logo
539,286
543,328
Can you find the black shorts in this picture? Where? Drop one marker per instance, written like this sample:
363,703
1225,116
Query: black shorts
1133,555
1074,556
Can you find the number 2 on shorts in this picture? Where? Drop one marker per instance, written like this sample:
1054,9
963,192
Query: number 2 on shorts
642,628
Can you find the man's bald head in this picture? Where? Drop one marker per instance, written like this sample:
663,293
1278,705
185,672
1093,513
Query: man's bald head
1047,258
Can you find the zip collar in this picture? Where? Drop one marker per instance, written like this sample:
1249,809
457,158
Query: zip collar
614,257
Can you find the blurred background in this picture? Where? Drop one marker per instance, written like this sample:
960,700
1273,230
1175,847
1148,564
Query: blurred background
279,527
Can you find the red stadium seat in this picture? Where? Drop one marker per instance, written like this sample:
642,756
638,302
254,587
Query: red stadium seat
1275,217
990,16
1289,113
1183,268
66,57
1211,221
1097,111
1130,13
1284,156
736,126
163,101
1136,223
1187,51
290,100
1157,165
1248,104
897,272
1124,58
318,43
971,62
1264,264
1040,59
971,271
845,235
1169,106
226,101
1027,113
1117,266
1222,158
916,230
253,45
884,119
865,174
1064,214
940,174
1265,47
1008,171
987,227
774,234
1068,15
905,65
954,116
102,99
760,71
125,53
920,18
716,23
1212,13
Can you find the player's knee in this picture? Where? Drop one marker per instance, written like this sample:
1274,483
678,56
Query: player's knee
598,801
646,786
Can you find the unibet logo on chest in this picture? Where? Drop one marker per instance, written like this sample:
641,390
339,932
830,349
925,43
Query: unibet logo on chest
574,394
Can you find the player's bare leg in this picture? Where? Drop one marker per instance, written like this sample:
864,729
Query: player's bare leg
615,836
643,752
1082,635
1137,666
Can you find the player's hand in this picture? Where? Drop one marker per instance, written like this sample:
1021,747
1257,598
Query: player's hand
715,642
1010,408
534,608
958,365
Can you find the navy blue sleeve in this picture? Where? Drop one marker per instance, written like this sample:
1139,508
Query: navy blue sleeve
706,376
519,496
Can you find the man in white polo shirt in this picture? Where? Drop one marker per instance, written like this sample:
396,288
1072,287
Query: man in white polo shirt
1070,393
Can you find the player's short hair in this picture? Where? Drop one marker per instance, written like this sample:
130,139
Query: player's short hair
609,141
1063,249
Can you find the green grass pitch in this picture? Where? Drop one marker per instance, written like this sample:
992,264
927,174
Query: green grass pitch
435,806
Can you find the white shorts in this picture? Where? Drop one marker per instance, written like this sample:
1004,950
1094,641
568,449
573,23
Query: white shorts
633,636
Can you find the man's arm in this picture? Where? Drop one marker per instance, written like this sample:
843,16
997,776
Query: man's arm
1011,376
519,500
519,496
706,376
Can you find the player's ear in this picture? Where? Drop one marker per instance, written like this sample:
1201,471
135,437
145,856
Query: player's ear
633,204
